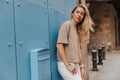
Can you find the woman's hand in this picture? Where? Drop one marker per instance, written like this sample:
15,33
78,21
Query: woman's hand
71,69
83,72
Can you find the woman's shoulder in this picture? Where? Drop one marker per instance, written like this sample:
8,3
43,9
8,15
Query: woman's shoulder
66,23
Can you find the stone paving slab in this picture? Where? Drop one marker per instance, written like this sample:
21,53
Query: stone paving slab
110,70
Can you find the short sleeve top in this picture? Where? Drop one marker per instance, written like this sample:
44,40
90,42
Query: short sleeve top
69,37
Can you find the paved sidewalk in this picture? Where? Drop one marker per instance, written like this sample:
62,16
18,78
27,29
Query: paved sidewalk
110,70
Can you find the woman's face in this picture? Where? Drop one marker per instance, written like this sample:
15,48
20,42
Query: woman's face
78,14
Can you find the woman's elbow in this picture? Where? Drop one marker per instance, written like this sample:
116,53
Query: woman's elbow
58,45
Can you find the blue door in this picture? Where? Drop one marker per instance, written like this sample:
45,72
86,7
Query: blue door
7,42
26,25
31,26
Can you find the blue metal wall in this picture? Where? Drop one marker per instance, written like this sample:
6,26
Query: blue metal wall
31,27
26,25
7,45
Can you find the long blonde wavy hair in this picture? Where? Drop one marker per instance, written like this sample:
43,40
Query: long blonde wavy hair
85,26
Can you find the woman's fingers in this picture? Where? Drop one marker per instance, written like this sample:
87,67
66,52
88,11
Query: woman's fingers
71,69
74,71
83,74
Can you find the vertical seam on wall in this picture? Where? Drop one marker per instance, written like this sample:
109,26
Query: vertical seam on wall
15,38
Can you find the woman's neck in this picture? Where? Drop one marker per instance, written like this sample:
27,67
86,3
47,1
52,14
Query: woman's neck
73,22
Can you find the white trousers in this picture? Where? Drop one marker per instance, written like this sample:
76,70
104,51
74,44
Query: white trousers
67,75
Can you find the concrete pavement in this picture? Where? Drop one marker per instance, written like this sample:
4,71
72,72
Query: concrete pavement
110,70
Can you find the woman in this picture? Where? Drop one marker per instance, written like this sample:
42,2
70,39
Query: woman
68,45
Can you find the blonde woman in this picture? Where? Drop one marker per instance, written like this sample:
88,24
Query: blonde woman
70,65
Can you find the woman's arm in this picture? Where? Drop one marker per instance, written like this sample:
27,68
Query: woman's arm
62,53
82,68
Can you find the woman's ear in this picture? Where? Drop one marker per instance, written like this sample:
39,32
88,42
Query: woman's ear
72,13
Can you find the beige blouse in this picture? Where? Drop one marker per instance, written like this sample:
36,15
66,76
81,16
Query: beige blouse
69,37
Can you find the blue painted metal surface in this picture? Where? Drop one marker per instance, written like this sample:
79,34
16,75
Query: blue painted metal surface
31,23
27,25
7,42
40,64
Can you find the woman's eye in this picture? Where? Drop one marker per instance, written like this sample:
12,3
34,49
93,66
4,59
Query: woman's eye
80,13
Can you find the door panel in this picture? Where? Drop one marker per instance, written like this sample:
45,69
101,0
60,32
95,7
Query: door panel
31,18
7,47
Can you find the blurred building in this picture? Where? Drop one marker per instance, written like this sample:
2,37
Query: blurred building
106,16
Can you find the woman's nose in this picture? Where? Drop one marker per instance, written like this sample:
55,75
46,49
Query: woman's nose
79,15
